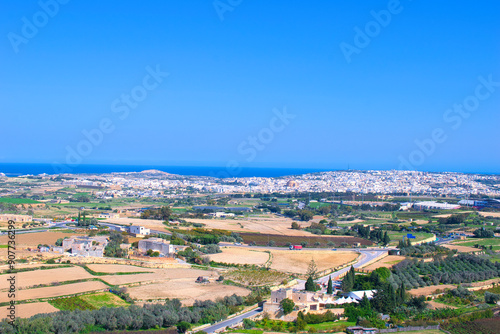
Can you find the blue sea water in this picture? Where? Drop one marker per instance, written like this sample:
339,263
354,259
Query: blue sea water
16,169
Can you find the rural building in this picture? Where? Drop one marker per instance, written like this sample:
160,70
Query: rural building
85,246
156,244
429,205
16,218
304,300
139,230
221,214
109,215
361,330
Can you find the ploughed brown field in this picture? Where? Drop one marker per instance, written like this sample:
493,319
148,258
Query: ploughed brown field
55,291
159,275
460,248
429,290
240,255
117,268
46,276
283,240
270,224
297,261
29,310
386,262
186,290
34,239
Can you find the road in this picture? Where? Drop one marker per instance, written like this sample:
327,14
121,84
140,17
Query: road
367,255
231,321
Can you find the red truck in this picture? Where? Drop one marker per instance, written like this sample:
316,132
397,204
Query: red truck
295,247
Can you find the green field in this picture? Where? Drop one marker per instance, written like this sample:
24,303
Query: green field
315,205
18,200
325,326
495,242
89,302
396,236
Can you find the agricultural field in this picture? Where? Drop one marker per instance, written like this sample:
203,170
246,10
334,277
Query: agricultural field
240,255
495,242
55,291
311,240
397,236
265,224
256,277
431,289
29,310
184,289
461,248
298,261
10,200
46,276
117,268
34,239
92,301
158,275
386,262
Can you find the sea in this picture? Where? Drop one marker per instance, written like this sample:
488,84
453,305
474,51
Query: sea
17,169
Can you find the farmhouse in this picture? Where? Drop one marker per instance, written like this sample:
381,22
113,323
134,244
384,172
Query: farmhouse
310,301
304,300
221,214
16,218
139,230
109,215
156,244
86,246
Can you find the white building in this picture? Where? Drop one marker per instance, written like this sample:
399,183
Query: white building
139,230
109,215
156,244
428,205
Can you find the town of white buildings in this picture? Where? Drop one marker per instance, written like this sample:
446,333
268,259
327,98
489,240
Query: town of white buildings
375,182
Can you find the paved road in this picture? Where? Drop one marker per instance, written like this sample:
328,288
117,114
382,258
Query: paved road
366,256
232,321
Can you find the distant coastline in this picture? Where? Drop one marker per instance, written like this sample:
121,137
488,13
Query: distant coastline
17,169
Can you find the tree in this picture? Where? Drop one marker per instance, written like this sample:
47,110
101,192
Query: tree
287,305
483,233
348,281
310,285
386,239
365,303
329,289
312,270
183,326
295,226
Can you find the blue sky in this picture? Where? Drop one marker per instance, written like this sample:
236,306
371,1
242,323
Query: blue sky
226,76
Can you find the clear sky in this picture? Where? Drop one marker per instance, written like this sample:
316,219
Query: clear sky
361,81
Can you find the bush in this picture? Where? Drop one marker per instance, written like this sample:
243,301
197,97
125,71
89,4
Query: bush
248,324
491,298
